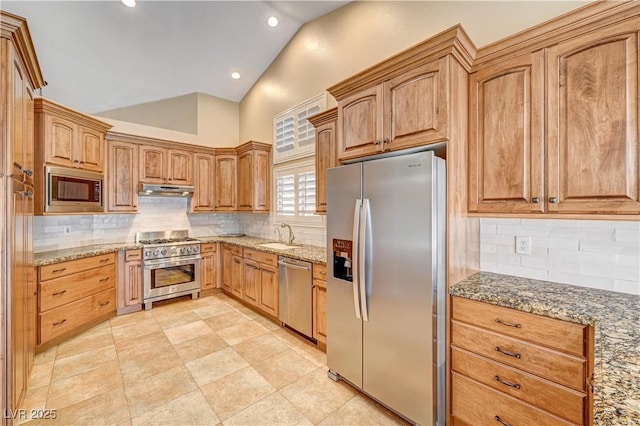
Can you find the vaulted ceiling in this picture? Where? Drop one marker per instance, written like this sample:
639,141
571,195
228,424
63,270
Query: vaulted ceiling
101,55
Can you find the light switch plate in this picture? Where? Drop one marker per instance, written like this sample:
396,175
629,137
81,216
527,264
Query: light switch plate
523,245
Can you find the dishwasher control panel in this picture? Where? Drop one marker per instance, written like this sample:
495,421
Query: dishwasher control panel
342,258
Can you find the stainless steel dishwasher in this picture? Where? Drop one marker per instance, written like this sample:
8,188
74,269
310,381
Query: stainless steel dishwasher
295,294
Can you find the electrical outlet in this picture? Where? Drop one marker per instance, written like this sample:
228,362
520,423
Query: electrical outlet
523,245
222,224
67,229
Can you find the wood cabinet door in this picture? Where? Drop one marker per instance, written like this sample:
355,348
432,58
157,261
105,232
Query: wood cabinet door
208,271
133,283
28,143
360,124
261,181
250,281
204,178
245,181
180,167
506,136
152,164
236,275
416,107
592,122
268,288
225,182
59,141
227,268
325,159
320,312
90,149
16,155
122,177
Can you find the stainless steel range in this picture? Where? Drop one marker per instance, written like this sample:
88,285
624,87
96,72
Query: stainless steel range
171,265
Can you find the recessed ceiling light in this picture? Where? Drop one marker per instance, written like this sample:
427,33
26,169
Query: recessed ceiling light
272,21
129,3
235,75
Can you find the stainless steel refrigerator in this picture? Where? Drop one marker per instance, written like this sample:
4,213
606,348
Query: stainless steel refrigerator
386,282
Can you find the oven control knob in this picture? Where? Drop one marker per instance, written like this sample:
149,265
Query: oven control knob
174,250
163,252
147,253
187,249
195,249
156,252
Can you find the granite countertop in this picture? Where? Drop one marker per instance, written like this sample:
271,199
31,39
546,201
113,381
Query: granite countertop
616,317
313,254
302,252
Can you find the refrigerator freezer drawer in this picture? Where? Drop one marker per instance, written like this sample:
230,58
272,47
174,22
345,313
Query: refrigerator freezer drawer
295,294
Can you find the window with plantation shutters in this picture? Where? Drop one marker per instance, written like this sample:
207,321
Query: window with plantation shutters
295,193
294,136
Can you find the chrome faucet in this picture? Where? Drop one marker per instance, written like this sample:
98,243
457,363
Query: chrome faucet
291,236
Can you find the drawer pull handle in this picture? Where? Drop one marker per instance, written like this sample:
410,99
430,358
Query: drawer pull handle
502,351
510,324
104,303
104,260
60,322
55,271
104,280
504,382
59,293
498,419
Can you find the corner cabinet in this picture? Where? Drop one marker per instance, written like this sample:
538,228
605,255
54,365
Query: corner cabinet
203,199
254,176
561,137
405,101
122,177
325,124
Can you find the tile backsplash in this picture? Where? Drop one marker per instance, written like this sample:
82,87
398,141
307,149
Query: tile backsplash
156,214
597,254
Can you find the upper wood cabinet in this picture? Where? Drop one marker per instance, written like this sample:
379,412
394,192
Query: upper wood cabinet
203,199
325,125
161,165
254,176
506,136
68,138
404,101
226,170
122,177
561,137
592,122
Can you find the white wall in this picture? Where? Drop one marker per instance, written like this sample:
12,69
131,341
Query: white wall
596,254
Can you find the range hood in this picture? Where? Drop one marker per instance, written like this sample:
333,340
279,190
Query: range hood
165,190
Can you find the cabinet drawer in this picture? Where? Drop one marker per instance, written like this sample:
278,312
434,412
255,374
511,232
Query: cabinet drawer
480,405
556,399
557,334
319,272
68,317
60,291
131,255
62,269
235,250
208,247
261,257
549,364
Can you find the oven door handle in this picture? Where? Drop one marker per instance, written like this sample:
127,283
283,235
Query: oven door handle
164,263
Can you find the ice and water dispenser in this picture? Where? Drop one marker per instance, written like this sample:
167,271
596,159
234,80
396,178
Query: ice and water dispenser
342,258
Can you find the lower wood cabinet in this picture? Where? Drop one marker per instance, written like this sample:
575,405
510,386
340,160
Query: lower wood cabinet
129,281
73,296
208,268
260,281
320,305
268,289
518,368
250,281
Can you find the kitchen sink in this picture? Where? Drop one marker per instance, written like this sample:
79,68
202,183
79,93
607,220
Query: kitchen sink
276,246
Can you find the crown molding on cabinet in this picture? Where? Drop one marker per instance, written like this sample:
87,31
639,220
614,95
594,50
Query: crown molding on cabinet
16,28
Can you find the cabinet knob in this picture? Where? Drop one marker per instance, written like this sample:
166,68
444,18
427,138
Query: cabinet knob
553,200
76,161
28,172
377,142
385,140
535,200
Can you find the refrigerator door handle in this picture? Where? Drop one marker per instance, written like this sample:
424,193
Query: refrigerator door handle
362,250
356,261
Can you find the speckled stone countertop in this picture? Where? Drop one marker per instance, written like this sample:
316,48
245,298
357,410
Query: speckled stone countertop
616,317
62,255
302,252
313,254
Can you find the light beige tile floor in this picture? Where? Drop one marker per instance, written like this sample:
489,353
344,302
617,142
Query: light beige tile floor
208,361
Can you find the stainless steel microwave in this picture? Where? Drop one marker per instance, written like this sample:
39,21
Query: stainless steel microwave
73,190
